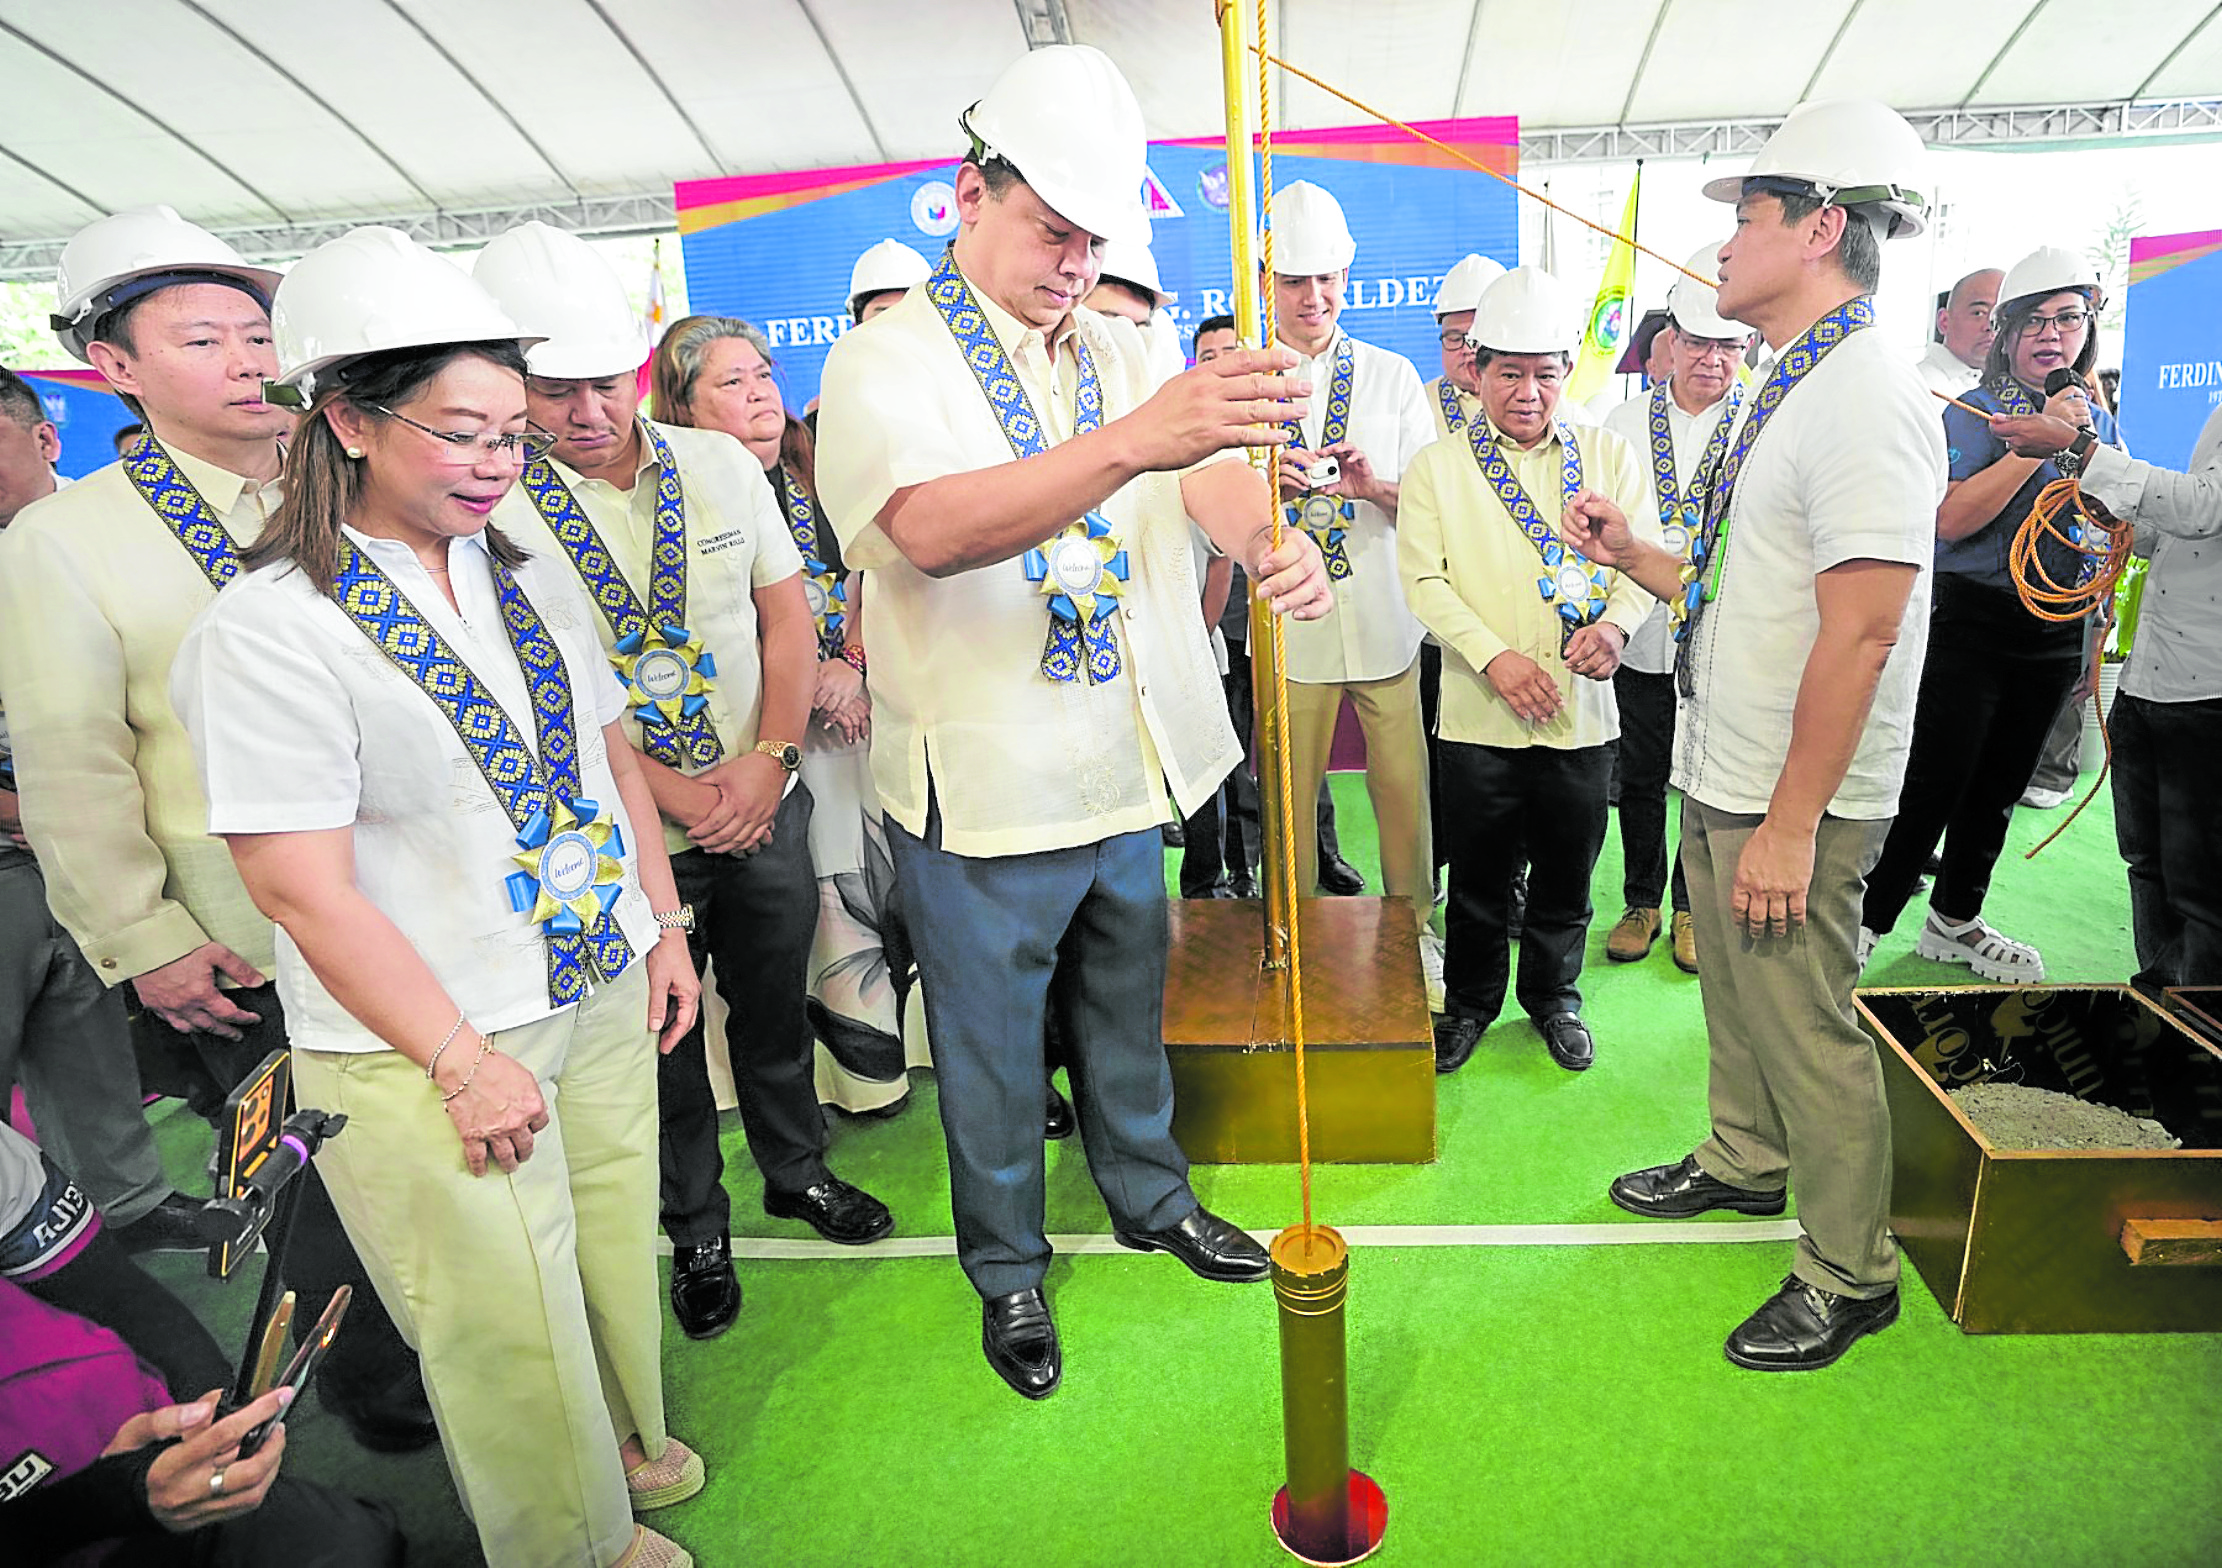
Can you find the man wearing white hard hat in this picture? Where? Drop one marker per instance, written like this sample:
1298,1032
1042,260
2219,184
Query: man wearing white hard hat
1016,480
1681,426
1368,420
1799,654
1997,676
1953,361
1531,634
1455,395
882,275
97,586
474,961
678,538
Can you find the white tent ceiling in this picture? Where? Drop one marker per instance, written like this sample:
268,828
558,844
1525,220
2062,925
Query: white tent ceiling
278,119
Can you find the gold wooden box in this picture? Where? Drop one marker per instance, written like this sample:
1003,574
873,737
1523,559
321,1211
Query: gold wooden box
2200,1006
1369,1047
2049,1240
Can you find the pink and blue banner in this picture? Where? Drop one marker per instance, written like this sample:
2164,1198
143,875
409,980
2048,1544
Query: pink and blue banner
2172,353
776,249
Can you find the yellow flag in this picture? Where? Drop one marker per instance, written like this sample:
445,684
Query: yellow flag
1607,331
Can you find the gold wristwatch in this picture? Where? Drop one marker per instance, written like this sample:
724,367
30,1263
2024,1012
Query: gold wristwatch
680,919
786,751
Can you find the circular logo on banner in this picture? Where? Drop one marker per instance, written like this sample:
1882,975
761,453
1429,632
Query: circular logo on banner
662,674
814,595
567,867
1076,567
933,207
1211,185
1610,319
1573,583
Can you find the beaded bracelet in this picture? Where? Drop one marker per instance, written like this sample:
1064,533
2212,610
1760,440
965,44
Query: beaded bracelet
454,1029
852,654
484,1045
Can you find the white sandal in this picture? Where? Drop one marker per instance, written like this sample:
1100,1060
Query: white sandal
1983,950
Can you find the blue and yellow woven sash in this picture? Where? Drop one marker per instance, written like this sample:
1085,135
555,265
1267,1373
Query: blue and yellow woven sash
573,872
1682,507
822,586
182,510
1454,412
667,673
1701,578
1320,515
1571,583
1080,570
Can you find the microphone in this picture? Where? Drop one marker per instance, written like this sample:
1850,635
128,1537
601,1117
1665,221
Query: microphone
2063,378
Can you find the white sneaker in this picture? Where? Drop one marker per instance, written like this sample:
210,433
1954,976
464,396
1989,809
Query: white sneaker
2043,799
1431,969
1983,950
1866,948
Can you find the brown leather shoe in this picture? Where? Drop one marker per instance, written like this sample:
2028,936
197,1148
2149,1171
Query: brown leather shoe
1632,937
1685,942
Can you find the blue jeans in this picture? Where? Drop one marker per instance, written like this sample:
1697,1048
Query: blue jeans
1001,942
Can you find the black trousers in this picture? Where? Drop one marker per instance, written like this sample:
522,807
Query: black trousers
755,915
1501,803
371,1357
1646,759
1431,710
1993,684
1226,832
2167,756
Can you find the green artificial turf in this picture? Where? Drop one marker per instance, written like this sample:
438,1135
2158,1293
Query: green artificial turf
1520,1405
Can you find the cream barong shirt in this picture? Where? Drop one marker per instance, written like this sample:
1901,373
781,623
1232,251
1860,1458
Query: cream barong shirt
1471,576
1650,649
96,593
301,723
737,542
1019,763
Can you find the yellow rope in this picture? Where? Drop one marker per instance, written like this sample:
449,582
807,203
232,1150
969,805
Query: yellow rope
1282,782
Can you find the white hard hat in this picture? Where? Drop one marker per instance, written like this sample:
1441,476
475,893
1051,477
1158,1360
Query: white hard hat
143,246
371,290
888,265
2048,270
1690,304
1066,119
557,287
1463,284
1310,234
1135,266
1527,311
1854,153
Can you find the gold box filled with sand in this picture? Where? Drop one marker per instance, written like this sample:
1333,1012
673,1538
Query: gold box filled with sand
2057,1156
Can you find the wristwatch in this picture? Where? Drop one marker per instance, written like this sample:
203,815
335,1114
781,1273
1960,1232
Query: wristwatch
2071,461
788,753
680,919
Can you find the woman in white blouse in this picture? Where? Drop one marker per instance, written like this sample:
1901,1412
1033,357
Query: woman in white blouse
408,734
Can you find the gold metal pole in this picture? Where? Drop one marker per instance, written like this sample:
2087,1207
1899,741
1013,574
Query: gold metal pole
1269,727
1311,1273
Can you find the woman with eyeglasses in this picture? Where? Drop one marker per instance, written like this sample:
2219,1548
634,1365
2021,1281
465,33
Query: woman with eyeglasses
1996,675
715,373
409,736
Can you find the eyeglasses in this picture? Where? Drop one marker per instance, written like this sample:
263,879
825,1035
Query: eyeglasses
476,446
1707,348
2067,321
1456,342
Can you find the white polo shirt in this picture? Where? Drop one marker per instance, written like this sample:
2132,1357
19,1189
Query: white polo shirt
2177,656
1018,762
1942,371
1850,468
1372,634
1651,647
737,542
300,723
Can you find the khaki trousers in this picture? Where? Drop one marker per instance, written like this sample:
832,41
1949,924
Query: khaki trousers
1396,778
532,1297
1796,1088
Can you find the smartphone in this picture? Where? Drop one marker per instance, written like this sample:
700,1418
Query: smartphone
313,1345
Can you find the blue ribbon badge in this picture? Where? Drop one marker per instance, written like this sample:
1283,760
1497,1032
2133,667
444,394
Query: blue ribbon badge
572,873
666,672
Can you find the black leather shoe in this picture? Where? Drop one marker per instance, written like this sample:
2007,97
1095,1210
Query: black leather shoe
1243,884
395,1419
835,1210
1455,1039
705,1292
1020,1338
173,1225
1803,1328
1568,1040
1212,1248
1060,1121
1339,877
1677,1192
1173,834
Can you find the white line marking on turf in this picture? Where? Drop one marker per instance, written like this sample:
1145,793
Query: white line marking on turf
772,1249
